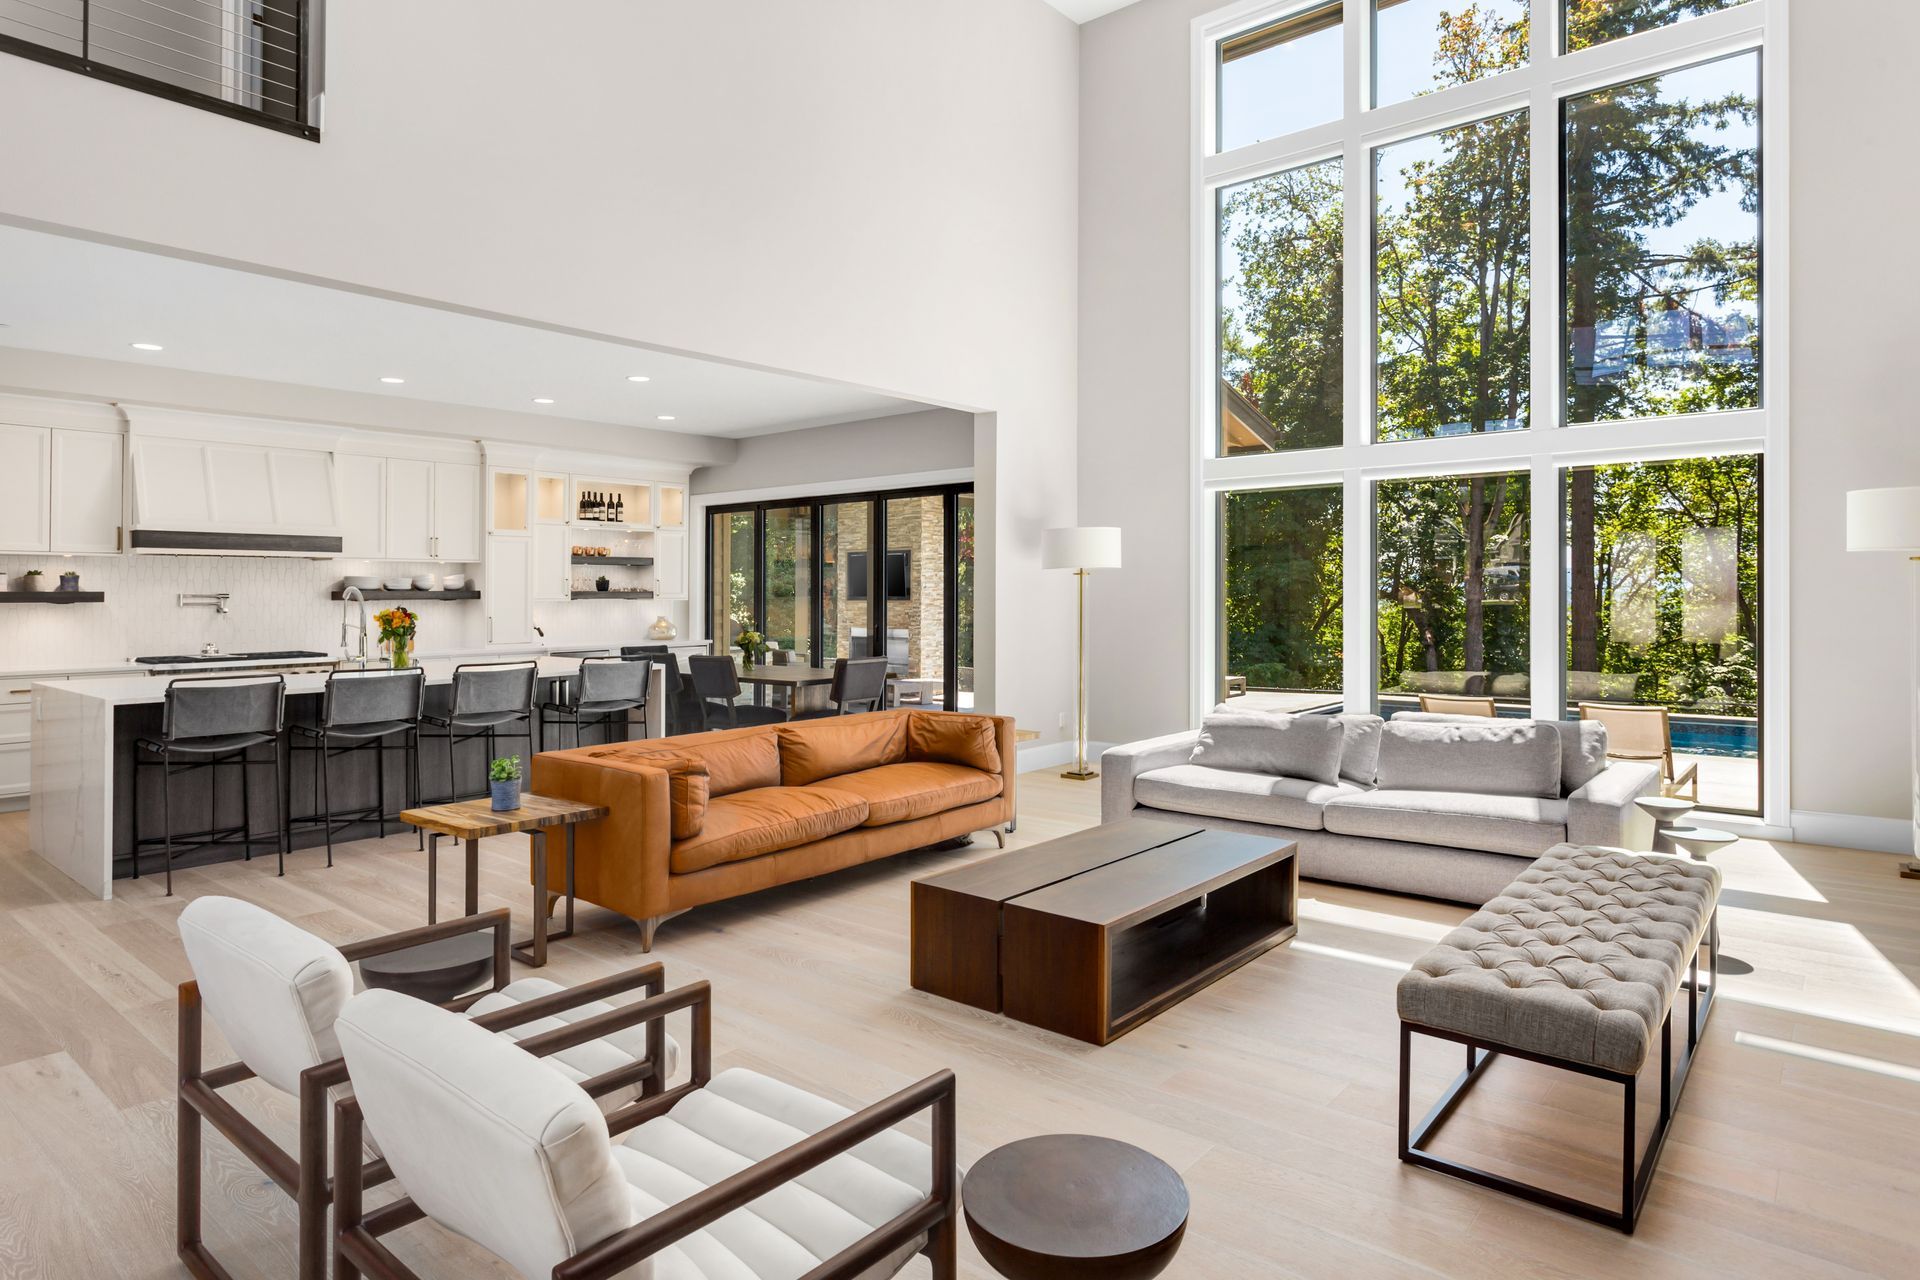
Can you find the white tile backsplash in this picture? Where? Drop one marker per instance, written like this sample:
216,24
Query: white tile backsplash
275,604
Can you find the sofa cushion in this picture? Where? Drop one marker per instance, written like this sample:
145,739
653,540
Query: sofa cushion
1235,793
747,824
814,749
689,787
1489,757
1360,754
1271,742
951,738
1522,825
914,789
1583,751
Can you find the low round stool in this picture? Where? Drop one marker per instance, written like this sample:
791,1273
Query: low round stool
1071,1206
1666,813
1698,842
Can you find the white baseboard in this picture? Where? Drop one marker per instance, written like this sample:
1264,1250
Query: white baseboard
1051,755
1853,831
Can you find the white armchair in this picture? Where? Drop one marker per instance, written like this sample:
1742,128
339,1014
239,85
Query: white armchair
276,991
736,1175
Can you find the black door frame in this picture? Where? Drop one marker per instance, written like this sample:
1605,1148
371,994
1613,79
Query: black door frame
877,501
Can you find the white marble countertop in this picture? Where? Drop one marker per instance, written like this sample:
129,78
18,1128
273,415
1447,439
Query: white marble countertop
135,690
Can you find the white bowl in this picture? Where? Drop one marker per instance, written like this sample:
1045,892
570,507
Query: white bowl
454,582
398,584
366,582
426,582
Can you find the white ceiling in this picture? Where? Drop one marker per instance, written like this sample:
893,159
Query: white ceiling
80,298
1088,10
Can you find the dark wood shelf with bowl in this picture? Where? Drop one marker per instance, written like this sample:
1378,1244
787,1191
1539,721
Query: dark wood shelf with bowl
382,593
627,562
613,595
52,597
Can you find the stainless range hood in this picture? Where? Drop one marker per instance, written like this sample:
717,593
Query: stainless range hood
205,484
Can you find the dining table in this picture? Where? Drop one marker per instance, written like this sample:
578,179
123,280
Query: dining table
763,676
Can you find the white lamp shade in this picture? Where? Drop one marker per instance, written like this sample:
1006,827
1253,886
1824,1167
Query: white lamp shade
1088,547
1883,519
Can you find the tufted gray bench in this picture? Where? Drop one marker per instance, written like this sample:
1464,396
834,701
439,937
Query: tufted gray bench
1577,964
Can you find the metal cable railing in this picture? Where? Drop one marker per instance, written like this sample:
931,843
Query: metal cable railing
248,58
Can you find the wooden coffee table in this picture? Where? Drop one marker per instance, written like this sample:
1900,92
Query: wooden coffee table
1093,934
1071,1206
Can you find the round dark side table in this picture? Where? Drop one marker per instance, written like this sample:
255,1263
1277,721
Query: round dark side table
1070,1206
434,971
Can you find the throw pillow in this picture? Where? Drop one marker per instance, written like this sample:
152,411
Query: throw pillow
1275,743
952,738
811,750
1360,756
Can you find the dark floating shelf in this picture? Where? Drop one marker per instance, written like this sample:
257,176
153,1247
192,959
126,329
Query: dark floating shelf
383,594
52,597
631,562
613,595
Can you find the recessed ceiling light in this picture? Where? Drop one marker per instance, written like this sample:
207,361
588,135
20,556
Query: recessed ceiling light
666,417
542,400
638,377
146,346
395,381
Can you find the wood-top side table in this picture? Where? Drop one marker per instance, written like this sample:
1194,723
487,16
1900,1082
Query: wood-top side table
471,821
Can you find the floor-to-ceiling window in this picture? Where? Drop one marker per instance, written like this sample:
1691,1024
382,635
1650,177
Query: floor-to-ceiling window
1486,396
854,575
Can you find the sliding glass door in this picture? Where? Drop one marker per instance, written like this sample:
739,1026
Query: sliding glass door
851,576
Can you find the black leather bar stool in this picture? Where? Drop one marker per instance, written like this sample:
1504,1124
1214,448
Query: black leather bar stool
716,684
859,684
211,722
682,712
489,698
606,691
377,711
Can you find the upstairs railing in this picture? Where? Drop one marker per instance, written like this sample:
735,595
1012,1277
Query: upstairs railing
250,59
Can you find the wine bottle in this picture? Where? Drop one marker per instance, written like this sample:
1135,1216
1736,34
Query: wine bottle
619,508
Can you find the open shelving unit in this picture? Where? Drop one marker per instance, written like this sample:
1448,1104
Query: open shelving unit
52,597
381,593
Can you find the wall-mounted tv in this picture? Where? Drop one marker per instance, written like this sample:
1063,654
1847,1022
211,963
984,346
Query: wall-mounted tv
899,584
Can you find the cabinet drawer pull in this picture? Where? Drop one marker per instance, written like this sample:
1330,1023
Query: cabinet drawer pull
20,690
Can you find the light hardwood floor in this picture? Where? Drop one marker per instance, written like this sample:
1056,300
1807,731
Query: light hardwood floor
1794,1152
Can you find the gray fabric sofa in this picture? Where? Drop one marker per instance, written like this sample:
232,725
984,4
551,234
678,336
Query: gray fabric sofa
1440,806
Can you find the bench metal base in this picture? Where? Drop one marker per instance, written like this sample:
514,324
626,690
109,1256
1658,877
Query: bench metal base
1635,1177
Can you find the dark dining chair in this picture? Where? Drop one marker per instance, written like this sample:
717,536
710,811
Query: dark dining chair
859,684
716,683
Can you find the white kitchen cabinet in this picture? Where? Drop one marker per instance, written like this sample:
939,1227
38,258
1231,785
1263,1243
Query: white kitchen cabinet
670,506
409,509
86,492
456,511
509,605
670,564
552,562
24,488
363,506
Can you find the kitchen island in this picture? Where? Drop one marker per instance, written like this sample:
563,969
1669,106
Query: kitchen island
83,810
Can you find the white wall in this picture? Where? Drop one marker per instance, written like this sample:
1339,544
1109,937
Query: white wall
1853,277
838,457
874,192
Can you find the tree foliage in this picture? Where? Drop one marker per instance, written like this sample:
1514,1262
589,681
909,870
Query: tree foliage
1454,314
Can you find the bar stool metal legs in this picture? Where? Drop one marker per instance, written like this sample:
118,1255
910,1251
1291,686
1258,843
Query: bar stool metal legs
213,834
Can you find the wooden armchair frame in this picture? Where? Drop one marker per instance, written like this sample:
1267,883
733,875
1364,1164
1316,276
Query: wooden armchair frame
1456,704
358,1250
303,1174
1672,782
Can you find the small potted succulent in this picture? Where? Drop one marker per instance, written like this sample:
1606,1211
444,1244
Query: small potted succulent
503,778
751,645
602,583
70,581
33,580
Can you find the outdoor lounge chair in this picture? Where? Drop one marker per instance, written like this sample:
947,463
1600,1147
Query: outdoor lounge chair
1644,733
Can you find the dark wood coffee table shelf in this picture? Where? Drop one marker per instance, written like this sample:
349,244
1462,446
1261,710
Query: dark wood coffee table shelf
1093,934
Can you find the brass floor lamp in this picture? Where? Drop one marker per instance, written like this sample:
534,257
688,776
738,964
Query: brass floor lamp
1082,550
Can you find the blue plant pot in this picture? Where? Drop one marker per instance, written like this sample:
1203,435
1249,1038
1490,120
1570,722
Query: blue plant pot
506,796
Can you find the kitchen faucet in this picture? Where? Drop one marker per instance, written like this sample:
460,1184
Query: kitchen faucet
353,594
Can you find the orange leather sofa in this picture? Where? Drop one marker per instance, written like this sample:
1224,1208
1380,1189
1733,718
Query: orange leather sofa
706,816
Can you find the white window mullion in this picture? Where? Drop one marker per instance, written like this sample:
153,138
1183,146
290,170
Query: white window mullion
1359,632
1546,530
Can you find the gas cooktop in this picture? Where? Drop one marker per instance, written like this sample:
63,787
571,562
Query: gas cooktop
183,659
